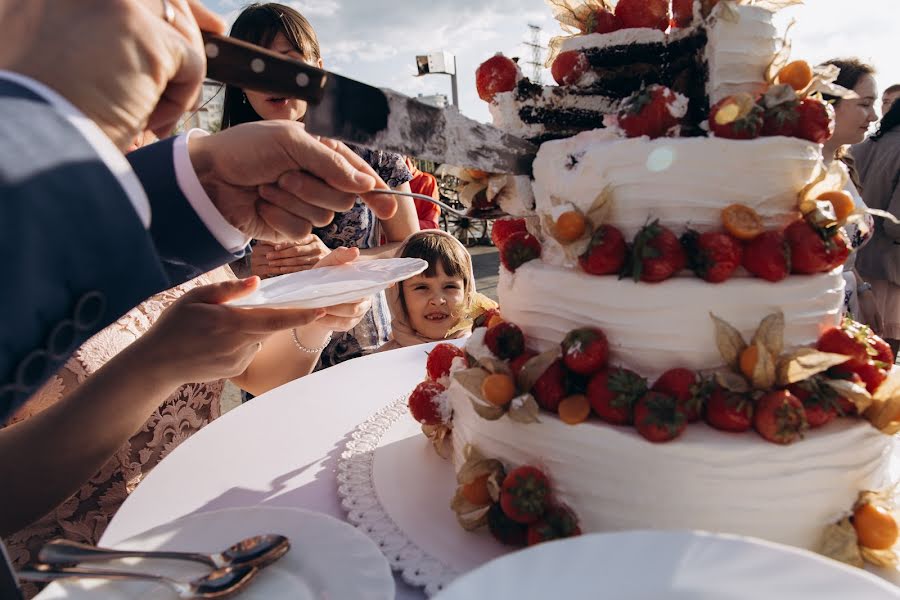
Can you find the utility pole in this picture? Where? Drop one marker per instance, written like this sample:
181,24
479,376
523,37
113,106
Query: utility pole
537,53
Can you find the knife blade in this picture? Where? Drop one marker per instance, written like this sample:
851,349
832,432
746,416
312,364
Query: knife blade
354,112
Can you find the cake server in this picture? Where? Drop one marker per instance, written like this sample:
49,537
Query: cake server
350,111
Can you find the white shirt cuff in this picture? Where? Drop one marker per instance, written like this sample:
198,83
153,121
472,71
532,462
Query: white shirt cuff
228,236
111,156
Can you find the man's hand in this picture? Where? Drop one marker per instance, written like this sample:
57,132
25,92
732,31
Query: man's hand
118,61
275,182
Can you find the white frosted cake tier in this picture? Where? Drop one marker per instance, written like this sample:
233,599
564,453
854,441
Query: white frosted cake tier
680,181
653,327
711,480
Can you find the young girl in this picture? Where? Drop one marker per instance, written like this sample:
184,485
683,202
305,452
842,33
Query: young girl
428,307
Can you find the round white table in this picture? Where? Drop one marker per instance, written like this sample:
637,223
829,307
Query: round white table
280,449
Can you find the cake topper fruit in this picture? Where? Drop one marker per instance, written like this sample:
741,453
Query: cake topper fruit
440,358
659,417
688,389
525,494
816,249
729,411
495,75
606,252
653,111
569,67
779,417
428,404
868,534
519,248
613,392
478,488
498,389
713,256
741,221
557,522
505,341
653,14
574,409
768,256
736,117
570,226
797,74
656,254
585,350
501,229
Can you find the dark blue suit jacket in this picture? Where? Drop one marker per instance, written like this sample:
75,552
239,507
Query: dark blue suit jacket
76,255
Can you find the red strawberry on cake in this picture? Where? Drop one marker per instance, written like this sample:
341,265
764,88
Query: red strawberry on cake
768,256
569,66
819,401
713,255
815,120
736,117
503,228
495,75
585,351
779,417
558,522
654,111
505,530
519,248
606,252
729,411
656,254
682,12
613,392
440,358
525,494
505,340
849,341
653,14
428,404
550,388
659,417
601,20
686,387
815,249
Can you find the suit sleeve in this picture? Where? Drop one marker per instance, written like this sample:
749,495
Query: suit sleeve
77,254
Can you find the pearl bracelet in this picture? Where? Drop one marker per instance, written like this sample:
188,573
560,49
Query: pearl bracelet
303,348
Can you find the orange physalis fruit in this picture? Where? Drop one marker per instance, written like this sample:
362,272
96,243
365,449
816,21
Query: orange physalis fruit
569,227
841,201
476,491
741,221
574,409
494,321
749,358
498,389
876,527
796,74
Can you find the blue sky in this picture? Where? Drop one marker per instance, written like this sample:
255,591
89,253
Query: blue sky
376,41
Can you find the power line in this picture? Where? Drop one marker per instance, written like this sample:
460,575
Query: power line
537,53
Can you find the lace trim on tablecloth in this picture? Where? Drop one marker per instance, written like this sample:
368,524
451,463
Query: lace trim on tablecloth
356,487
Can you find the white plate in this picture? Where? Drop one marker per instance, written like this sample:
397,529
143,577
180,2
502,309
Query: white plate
318,288
670,565
328,558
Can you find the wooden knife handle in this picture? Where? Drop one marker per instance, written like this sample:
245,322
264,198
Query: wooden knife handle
248,66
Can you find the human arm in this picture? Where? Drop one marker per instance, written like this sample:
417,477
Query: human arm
45,458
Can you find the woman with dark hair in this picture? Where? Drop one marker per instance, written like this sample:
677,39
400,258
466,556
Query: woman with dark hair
282,29
877,162
852,117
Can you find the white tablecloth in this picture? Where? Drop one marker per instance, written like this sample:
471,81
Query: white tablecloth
280,449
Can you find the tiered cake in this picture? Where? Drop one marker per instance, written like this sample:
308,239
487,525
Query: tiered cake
684,226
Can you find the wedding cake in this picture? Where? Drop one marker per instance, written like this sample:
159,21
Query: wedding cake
670,350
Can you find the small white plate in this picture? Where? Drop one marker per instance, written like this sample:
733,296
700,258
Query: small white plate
318,288
675,565
328,558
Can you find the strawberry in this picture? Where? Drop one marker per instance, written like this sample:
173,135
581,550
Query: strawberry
505,340
779,417
736,117
713,255
781,119
585,350
484,318
503,228
659,417
550,388
569,66
846,341
654,111
613,392
729,411
682,12
505,530
557,522
688,389
871,374
519,248
602,21
516,364
427,405
819,401
606,253
439,359
815,120
525,494
495,75
814,249
882,350
653,14
656,254
768,256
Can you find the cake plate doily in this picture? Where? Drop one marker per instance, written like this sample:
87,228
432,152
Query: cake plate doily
396,489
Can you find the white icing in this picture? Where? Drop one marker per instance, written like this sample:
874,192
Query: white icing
652,327
444,406
622,37
516,198
738,483
738,53
476,346
680,181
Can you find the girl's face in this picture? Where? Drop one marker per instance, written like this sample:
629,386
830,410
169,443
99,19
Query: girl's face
272,107
434,304
852,116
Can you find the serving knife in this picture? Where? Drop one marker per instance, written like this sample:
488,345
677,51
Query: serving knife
351,111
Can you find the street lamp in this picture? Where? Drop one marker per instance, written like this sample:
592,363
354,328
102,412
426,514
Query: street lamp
439,62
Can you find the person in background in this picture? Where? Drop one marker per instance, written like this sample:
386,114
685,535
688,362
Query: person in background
890,95
852,118
430,306
424,183
877,162
283,30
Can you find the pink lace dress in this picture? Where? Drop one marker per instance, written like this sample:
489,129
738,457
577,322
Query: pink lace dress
85,515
